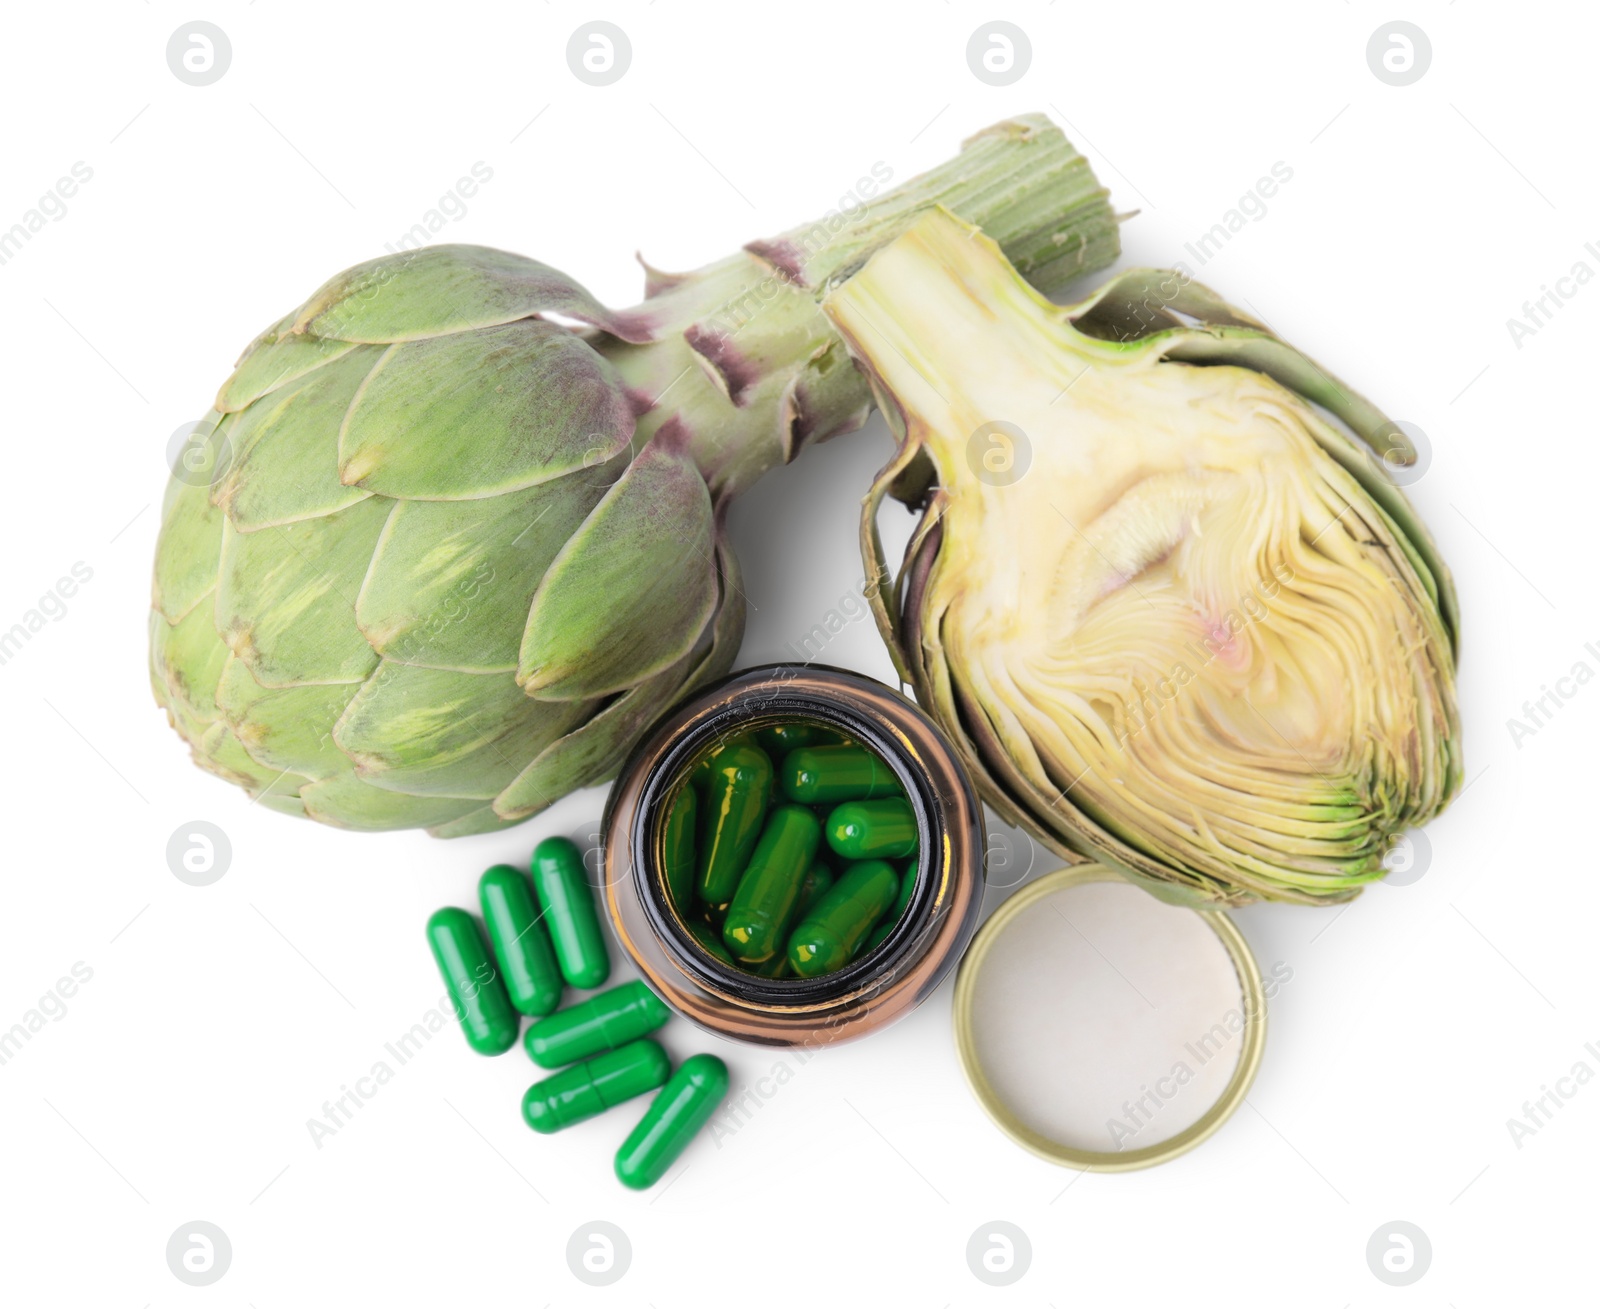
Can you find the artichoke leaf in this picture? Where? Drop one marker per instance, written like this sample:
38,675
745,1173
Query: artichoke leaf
285,727
281,450
188,549
441,289
219,751
482,413
1140,301
344,800
727,623
429,731
631,592
476,822
282,803
452,581
880,590
186,659
274,362
593,752
286,596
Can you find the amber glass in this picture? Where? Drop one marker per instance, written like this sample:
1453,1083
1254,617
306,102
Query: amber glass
878,986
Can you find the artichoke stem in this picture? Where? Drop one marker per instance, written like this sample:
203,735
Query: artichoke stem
746,363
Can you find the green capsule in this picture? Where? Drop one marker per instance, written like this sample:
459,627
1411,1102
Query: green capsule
600,1023
896,911
701,773
826,774
710,941
521,943
780,738
482,1007
681,1108
880,934
678,851
737,795
764,903
590,1088
873,829
818,878
773,968
827,937
568,904
908,884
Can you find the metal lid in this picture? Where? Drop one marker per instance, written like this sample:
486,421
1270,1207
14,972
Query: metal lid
1104,1029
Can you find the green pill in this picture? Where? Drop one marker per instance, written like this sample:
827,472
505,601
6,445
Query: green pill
701,773
773,968
568,904
826,774
781,738
880,933
710,942
678,849
482,1007
770,888
908,884
681,1108
591,1088
818,878
602,1022
873,829
521,944
737,794
828,935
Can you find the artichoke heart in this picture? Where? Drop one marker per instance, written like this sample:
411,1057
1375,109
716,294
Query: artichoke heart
1173,615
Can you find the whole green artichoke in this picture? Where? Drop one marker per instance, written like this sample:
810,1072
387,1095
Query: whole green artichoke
437,558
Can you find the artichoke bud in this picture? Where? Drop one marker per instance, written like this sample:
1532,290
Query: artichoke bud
1175,617
438,556
416,576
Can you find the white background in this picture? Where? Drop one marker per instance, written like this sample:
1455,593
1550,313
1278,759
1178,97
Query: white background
178,1084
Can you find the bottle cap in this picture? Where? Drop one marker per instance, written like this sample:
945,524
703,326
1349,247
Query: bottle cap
1104,1029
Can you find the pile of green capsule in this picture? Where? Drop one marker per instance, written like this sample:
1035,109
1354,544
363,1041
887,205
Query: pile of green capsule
742,842
542,937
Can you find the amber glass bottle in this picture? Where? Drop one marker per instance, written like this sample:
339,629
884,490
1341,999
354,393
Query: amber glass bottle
879,985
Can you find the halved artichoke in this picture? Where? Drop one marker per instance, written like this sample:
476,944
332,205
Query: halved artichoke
1175,618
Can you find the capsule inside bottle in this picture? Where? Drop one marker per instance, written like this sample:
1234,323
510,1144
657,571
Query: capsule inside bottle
785,812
